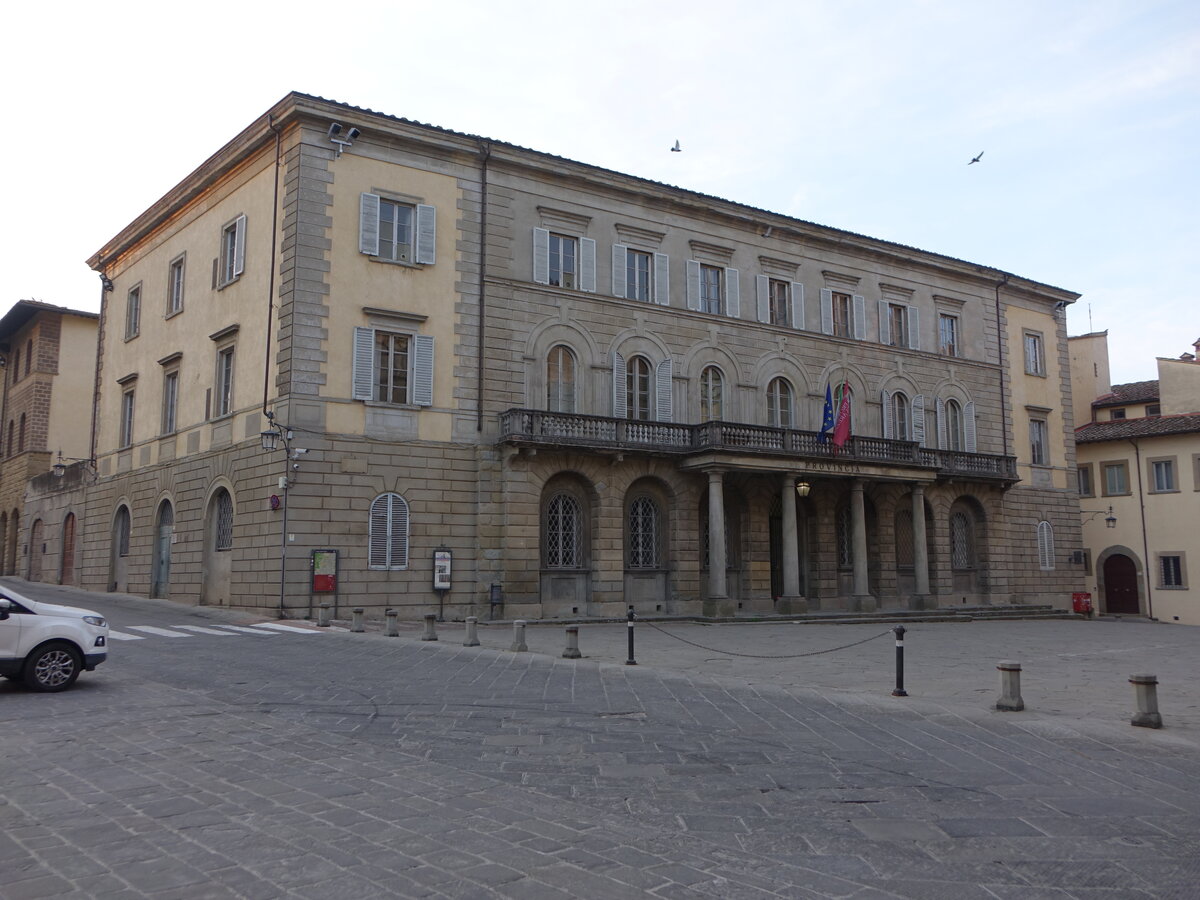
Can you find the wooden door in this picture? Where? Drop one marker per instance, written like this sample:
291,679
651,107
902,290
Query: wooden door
1121,586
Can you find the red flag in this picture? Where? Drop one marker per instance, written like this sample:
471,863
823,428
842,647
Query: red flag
841,428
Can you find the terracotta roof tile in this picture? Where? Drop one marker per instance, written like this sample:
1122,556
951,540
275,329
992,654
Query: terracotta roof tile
1151,426
1133,392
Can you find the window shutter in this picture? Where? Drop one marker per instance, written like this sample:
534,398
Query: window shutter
826,311
889,426
914,328
368,224
587,265
618,386
969,426
377,539
662,279
733,294
541,256
860,317
398,532
619,254
423,370
662,386
941,424
239,246
1045,540
763,288
885,323
693,284
918,419
797,305
364,363
426,234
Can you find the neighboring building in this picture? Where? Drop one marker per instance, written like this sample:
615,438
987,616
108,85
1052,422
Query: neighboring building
570,406
1139,456
49,359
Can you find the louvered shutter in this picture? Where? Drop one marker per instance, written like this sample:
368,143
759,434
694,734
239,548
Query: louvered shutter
941,423
364,363
914,328
398,532
889,426
618,386
826,311
426,234
619,254
239,246
368,224
662,389
918,419
693,284
379,532
885,324
423,370
587,265
733,294
1045,539
797,305
860,317
763,290
662,279
541,256
969,426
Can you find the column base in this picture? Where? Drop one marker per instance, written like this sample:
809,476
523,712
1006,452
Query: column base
719,607
863,603
791,606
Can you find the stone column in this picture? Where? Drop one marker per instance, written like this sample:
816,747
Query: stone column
920,599
791,601
718,598
862,599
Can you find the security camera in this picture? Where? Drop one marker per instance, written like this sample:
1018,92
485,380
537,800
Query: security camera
334,129
353,133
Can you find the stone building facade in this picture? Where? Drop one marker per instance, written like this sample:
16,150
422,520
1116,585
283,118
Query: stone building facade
565,380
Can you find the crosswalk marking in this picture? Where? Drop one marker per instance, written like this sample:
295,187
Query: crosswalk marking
246,630
122,636
276,626
217,629
199,629
162,632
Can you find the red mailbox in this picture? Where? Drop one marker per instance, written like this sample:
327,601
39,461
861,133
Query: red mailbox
1081,602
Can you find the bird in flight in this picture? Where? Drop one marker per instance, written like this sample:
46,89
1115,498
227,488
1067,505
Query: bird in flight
976,159
677,148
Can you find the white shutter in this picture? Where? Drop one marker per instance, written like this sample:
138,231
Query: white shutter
860,317
368,224
662,389
662,279
733,294
914,328
618,386
541,256
693,284
969,426
398,532
797,305
423,370
918,419
426,234
377,538
763,288
1045,540
941,423
619,254
826,311
885,324
587,265
239,246
364,363
889,426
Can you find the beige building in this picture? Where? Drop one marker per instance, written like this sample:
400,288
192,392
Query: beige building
1138,455
49,359
559,382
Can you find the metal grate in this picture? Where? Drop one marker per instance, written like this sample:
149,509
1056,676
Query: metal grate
224,521
904,539
643,534
563,532
962,542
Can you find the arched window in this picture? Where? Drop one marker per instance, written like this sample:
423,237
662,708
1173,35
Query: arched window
712,394
563,528
1045,541
222,520
954,426
121,529
637,388
901,417
560,380
387,540
643,533
779,403
11,431
21,436
845,538
962,541
904,539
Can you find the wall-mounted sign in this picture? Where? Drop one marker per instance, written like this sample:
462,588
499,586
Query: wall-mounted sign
441,570
324,571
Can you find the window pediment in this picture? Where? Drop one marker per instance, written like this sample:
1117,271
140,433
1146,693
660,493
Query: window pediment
711,253
643,237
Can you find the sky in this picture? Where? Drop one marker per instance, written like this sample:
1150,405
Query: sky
858,114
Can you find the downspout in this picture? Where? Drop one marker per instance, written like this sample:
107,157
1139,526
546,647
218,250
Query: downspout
271,283
106,286
485,152
1000,359
1137,455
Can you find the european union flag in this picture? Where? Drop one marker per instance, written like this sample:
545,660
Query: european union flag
826,416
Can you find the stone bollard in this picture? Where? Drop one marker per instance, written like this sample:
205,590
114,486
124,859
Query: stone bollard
356,620
472,638
518,643
1146,689
389,623
430,628
572,651
323,615
1010,687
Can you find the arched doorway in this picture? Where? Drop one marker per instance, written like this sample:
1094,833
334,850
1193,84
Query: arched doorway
118,577
1121,586
218,547
67,570
164,531
37,549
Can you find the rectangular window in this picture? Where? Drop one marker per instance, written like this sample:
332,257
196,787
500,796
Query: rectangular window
395,231
1163,475
710,289
170,401
1085,481
391,367
841,315
125,438
1170,571
1153,409
175,287
638,268
947,335
781,302
1116,415
224,391
1116,480
133,313
233,252
898,324
564,254
1035,362
1039,444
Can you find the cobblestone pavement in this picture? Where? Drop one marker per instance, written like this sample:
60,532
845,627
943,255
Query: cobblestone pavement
233,764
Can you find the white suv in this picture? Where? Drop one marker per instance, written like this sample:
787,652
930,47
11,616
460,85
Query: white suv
46,646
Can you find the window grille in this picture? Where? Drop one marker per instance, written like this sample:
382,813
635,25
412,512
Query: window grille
845,539
904,539
223,521
643,534
962,550
123,530
166,515
563,527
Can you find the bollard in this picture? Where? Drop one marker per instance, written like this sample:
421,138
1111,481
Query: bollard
518,644
323,616
430,632
629,627
899,691
1146,689
472,638
1010,687
572,651
356,619
389,625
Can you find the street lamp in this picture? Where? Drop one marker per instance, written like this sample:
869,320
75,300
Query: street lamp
1110,520
276,434
59,469
802,488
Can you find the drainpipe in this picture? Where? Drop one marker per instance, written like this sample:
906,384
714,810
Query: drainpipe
1137,453
1000,359
485,153
274,244
106,286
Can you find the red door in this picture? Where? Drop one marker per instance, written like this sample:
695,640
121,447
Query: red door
1121,586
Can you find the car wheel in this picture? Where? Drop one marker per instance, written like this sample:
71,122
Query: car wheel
53,667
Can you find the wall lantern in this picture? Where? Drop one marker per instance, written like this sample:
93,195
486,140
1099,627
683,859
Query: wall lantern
802,488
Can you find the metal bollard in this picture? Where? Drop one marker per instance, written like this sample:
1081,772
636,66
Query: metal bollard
518,644
899,691
572,651
323,615
389,624
1010,687
356,619
629,627
472,638
430,628
1146,689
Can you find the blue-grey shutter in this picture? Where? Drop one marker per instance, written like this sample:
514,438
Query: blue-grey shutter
423,370
587,265
969,426
763,289
662,279
368,224
662,391
239,246
914,328
541,255
693,284
826,311
618,386
378,532
619,256
398,532
885,323
860,317
918,419
889,427
941,424
733,294
364,363
798,305
426,234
